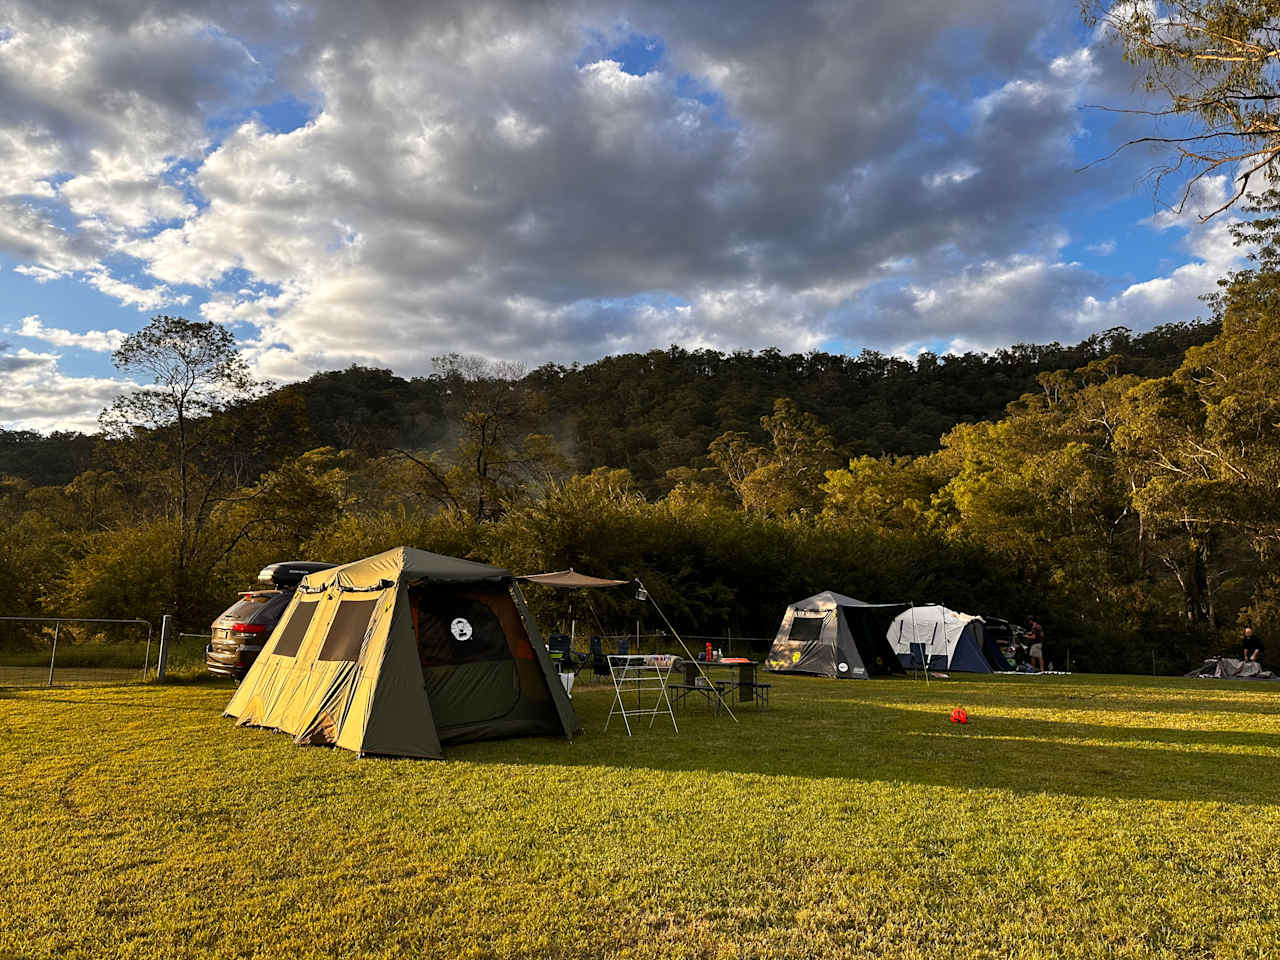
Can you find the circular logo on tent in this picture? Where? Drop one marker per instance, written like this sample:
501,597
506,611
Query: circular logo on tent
461,629
795,657
844,668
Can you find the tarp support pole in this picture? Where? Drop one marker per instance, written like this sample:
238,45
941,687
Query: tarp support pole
54,654
927,653
166,635
703,673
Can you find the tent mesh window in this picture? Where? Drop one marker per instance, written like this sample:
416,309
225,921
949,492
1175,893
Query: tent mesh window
346,633
806,629
453,629
291,636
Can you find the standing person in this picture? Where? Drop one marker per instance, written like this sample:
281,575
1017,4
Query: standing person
1252,646
1035,635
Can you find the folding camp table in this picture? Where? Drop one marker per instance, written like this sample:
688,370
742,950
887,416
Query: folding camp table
646,676
742,682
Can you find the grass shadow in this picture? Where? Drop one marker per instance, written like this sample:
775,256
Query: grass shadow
829,732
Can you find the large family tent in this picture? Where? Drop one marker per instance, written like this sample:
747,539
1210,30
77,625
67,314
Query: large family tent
951,641
402,652
832,635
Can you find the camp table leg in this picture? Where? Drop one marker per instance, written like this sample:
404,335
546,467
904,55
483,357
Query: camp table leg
618,705
663,679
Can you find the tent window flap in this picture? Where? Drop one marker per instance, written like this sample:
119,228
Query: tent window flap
346,633
291,636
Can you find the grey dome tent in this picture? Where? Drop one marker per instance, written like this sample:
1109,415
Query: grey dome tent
831,635
948,639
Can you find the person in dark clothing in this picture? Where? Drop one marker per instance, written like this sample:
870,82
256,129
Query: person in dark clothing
1252,646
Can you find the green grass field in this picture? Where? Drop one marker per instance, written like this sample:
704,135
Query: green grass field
1074,817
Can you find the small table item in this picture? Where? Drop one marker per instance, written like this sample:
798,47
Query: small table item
645,674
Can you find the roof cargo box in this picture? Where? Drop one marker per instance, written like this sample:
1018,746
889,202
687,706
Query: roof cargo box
289,573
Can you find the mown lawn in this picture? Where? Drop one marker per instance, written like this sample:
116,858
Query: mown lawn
1074,817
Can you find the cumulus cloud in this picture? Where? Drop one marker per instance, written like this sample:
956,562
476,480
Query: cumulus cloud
1176,295
100,341
487,177
36,395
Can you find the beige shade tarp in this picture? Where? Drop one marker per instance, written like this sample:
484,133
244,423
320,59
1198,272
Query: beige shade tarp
357,677
570,580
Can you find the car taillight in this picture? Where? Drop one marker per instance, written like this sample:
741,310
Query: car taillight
247,629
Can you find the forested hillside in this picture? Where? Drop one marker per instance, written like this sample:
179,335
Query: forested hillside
659,411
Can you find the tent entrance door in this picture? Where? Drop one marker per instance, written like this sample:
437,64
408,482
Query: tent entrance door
468,669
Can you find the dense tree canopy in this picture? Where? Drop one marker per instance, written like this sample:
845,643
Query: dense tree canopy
1122,489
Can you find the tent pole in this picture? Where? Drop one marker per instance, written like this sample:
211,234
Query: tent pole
915,636
703,673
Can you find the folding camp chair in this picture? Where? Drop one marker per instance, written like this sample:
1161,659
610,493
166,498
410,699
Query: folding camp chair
599,662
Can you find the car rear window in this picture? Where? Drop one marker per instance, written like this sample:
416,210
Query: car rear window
246,608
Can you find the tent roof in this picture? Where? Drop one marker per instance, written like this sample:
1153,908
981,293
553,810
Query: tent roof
936,611
570,580
828,599
407,563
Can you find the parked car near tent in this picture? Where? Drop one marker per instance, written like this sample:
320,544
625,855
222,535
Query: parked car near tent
242,629
831,635
402,652
949,640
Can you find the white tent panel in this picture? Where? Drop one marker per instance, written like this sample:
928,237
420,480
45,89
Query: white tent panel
935,628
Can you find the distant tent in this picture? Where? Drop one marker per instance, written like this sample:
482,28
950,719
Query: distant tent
1231,667
832,635
951,641
402,652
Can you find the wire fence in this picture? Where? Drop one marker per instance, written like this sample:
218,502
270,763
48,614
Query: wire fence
723,645
55,651
49,651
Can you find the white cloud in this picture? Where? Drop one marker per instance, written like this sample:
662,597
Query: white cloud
517,193
100,341
1103,248
31,237
950,177
36,395
131,295
28,159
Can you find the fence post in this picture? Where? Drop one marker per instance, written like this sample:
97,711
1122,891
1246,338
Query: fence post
54,654
166,634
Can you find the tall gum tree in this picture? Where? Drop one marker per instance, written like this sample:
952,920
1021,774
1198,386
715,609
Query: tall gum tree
1215,64
171,430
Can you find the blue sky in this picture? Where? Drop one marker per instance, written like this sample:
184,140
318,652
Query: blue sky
607,177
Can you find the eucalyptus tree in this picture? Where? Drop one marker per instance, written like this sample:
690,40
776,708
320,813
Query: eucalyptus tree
1214,63
178,447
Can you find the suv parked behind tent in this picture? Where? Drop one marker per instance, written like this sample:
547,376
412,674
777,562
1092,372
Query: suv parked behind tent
242,629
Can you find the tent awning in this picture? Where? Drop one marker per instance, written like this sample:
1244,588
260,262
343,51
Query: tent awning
571,580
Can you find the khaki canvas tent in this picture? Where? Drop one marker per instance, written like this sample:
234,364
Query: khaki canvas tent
832,635
402,652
